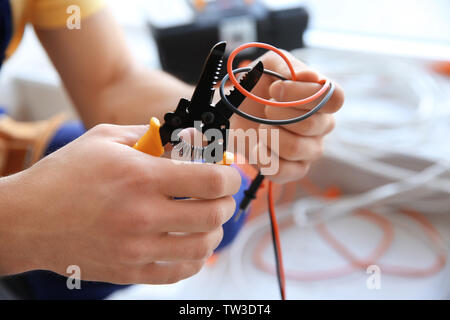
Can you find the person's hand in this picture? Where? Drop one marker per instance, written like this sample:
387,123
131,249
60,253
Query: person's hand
101,205
299,143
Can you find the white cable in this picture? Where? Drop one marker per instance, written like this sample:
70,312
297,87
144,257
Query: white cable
363,140
320,211
373,163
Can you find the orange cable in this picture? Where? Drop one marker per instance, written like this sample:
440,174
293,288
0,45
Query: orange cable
323,274
356,263
272,103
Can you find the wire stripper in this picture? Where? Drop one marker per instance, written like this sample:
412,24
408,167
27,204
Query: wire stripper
200,110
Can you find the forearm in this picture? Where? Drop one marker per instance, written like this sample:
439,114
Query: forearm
134,98
103,79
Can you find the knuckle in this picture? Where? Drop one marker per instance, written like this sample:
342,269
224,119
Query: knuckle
318,151
196,267
295,147
303,127
209,243
304,169
202,250
332,124
269,55
308,125
229,205
234,181
103,129
219,237
217,182
216,216
232,204
271,60
337,100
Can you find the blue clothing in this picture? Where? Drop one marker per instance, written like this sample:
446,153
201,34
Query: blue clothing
6,28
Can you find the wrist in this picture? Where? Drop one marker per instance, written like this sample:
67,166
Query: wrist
17,252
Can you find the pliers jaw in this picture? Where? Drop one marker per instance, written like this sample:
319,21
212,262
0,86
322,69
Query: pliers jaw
203,118
173,121
199,108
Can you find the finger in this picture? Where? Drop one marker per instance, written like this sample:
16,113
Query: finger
274,62
197,180
293,147
194,215
292,91
278,169
290,171
182,247
168,272
316,125
127,135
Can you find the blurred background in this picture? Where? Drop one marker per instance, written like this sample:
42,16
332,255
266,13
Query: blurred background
382,191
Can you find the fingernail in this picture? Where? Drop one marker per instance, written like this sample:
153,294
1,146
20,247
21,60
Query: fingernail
277,90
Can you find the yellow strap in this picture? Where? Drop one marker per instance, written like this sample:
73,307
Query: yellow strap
54,13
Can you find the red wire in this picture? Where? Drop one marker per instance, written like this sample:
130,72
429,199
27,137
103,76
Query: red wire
277,242
248,94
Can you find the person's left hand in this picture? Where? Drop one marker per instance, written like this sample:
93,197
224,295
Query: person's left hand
299,143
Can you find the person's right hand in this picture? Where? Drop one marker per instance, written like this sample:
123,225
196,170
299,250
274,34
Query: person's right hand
101,205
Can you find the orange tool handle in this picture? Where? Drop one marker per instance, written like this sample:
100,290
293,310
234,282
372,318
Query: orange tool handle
150,143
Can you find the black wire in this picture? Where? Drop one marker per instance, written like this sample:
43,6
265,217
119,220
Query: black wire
247,116
275,249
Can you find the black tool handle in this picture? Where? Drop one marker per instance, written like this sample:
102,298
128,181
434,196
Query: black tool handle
250,193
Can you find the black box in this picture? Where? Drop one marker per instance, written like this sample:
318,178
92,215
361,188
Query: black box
183,47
